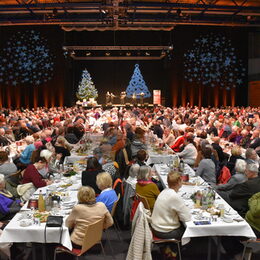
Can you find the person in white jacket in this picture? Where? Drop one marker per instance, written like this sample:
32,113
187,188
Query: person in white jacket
169,210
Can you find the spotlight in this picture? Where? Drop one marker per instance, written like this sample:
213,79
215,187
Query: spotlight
88,53
107,53
128,54
147,53
103,11
170,48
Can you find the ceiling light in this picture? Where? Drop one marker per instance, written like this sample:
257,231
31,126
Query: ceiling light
88,53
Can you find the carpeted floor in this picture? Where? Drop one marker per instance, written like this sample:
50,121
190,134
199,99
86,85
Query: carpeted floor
117,250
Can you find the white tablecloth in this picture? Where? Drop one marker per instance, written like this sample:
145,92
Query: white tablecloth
219,228
14,233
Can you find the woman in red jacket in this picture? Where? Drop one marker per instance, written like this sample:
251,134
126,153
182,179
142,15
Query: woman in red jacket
32,173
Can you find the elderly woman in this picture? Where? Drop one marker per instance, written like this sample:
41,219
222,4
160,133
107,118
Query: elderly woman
189,153
238,177
90,174
145,187
8,205
25,157
207,169
236,153
32,173
6,167
169,210
168,137
138,142
108,195
85,213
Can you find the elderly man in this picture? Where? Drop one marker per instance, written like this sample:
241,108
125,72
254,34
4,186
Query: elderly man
242,192
251,156
3,140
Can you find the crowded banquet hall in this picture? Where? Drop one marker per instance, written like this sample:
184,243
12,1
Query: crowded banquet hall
129,129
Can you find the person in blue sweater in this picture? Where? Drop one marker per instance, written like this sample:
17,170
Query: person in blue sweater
108,195
9,206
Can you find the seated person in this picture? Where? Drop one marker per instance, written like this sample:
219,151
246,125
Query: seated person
25,156
32,173
6,167
86,212
141,157
207,169
169,210
238,177
108,195
145,187
88,176
189,153
8,205
252,215
241,193
236,153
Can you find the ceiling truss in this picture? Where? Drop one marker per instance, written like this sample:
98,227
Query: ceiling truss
129,15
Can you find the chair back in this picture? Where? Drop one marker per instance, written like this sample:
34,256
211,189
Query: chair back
92,236
115,205
144,200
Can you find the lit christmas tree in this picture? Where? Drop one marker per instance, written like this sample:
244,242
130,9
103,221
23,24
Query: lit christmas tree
86,89
137,85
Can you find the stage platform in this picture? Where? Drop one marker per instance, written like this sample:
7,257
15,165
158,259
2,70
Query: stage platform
127,105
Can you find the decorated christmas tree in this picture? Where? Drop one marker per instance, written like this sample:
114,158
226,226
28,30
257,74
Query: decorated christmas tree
137,85
86,89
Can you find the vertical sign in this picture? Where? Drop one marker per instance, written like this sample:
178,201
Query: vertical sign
157,97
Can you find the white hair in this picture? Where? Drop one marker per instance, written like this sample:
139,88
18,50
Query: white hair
2,178
240,166
134,170
252,167
29,139
46,154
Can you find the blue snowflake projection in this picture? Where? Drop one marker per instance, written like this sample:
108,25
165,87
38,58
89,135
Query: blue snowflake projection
137,85
212,61
26,59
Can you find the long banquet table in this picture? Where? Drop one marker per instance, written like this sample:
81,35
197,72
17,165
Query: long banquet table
14,233
238,227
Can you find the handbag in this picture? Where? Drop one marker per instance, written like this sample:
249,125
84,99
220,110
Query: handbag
54,221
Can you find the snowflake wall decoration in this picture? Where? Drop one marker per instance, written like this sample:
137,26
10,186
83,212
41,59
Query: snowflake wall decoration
213,61
26,59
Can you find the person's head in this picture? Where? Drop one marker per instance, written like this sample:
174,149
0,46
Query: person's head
207,151
92,163
141,155
29,139
3,156
2,131
240,166
174,180
86,194
251,170
134,170
46,154
251,154
2,181
139,132
104,180
40,163
236,150
144,172
216,139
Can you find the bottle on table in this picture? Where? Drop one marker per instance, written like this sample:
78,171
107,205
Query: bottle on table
41,202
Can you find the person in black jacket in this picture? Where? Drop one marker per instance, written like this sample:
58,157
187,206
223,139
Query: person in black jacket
90,174
241,193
